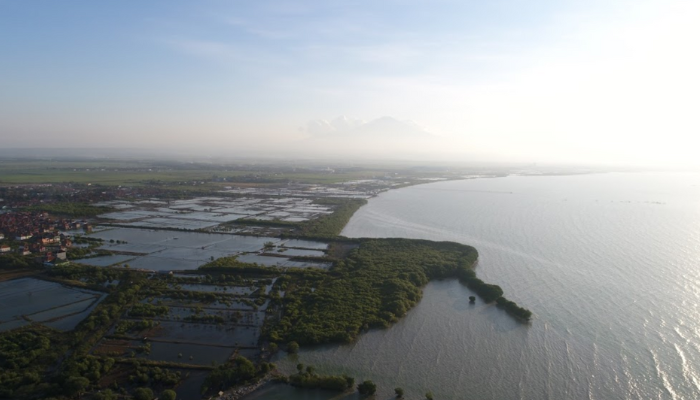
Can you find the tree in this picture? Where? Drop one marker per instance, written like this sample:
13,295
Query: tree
349,380
292,347
429,395
75,385
143,394
168,395
399,392
300,367
367,388
106,394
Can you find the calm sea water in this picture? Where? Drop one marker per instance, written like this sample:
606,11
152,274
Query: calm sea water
609,264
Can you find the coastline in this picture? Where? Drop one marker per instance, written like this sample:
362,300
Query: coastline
240,392
465,276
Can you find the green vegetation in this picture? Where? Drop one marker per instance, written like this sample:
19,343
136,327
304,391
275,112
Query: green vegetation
29,356
372,283
293,347
153,375
24,353
231,265
325,227
367,388
514,309
70,209
143,394
90,274
308,379
89,368
239,371
148,310
16,261
168,395
133,172
487,292
374,286
275,223
127,326
330,225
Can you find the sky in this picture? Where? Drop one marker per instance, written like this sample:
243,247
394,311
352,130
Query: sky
599,82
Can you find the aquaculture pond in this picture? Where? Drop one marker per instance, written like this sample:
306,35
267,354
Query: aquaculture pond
186,353
160,250
206,212
235,290
27,300
105,261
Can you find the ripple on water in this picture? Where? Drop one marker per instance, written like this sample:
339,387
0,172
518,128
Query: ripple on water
611,277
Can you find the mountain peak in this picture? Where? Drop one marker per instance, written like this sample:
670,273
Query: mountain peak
385,126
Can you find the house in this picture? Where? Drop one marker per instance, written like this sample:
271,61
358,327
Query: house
2,236
61,255
5,249
23,236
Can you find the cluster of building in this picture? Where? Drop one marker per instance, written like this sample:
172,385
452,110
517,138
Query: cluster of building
36,233
27,195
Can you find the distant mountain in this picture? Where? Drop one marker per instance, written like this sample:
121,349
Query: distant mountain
379,138
384,127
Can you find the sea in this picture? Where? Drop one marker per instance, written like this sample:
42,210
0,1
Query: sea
608,263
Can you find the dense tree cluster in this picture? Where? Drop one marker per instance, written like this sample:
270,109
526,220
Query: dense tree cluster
367,388
69,208
487,291
148,310
227,375
16,261
128,326
90,275
513,308
89,367
231,265
373,286
309,379
330,225
154,375
22,352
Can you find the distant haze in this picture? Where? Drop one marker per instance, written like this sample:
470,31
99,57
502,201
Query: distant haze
598,82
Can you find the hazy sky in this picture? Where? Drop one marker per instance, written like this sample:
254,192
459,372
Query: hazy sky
532,81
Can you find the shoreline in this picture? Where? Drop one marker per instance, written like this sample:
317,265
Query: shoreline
238,393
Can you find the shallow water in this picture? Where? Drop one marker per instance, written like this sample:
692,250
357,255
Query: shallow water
105,261
42,301
200,355
607,262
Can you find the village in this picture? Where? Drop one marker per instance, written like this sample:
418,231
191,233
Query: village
40,235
